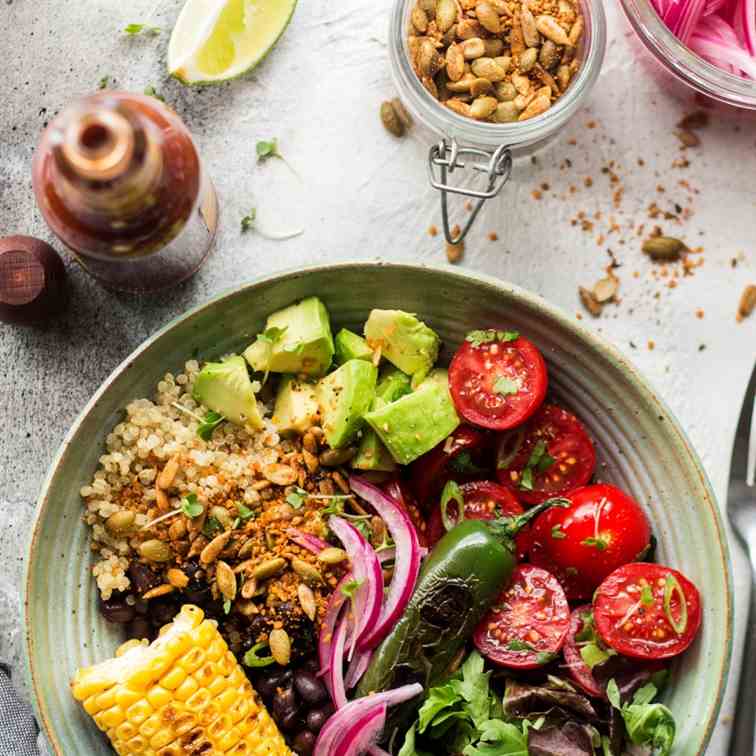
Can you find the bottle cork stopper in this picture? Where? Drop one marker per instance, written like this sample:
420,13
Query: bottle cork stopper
31,280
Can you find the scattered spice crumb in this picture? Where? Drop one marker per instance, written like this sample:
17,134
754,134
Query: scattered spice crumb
651,345
688,138
701,347
588,181
432,231
536,194
699,314
698,119
455,252
747,302
589,301
493,236
468,206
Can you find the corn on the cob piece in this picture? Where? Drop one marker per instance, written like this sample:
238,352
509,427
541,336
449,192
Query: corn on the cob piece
183,694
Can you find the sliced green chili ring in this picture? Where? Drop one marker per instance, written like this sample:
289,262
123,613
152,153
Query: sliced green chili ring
452,491
505,462
251,659
671,586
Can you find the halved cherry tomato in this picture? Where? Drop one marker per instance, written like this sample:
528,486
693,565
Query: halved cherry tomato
484,500
647,611
578,670
399,491
497,383
527,626
602,529
550,455
461,458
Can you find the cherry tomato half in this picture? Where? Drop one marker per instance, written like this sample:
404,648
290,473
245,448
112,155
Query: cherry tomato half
550,455
647,611
484,500
527,626
497,384
460,458
577,669
602,529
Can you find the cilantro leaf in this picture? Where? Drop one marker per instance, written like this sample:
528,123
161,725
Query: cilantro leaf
452,491
526,479
227,606
592,649
209,423
248,221
191,507
519,645
211,527
350,588
540,461
133,29
244,512
104,82
599,543
477,338
297,498
557,533
500,738
647,595
267,149
463,464
505,386
544,657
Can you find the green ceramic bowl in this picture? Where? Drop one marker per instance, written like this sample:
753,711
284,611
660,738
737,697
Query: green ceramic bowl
641,448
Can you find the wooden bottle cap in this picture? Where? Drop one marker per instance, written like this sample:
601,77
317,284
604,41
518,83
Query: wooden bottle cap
31,280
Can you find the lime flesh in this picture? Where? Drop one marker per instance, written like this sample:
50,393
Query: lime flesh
213,41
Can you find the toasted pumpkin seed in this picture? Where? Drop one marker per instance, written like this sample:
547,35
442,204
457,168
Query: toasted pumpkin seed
530,33
280,475
463,85
538,106
747,302
306,571
563,77
177,578
155,551
605,288
335,457
168,473
419,19
332,555
663,248
162,500
307,601
226,580
480,87
446,14
487,68
521,83
468,28
249,588
120,523
458,106
482,107
394,126
552,29
473,48
455,63
503,61
505,91
589,301
506,112
222,515
158,591
268,568
494,46
549,55
488,17
280,646
213,549
576,32
177,529
528,59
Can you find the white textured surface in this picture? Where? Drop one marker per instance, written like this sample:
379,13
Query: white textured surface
364,194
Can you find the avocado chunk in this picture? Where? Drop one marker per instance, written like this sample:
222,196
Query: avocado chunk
350,346
414,424
344,396
296,408
296,339
372,454
404,341
225,387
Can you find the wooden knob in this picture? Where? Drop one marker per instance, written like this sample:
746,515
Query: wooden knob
31,280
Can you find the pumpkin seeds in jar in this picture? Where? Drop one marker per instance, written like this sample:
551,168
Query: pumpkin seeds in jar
475,55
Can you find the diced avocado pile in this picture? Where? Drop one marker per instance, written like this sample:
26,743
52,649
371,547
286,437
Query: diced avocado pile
395,412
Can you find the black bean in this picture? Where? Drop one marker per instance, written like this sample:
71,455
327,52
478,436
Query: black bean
267,683
117,609
285,709
316,718
304,743
312,664
141,607
163,611
199,594
139,628
142,577
309,687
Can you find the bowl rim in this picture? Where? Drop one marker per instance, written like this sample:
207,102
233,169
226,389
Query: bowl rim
594,341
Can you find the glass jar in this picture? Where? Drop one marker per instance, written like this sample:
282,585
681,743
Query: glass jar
490,146
681,69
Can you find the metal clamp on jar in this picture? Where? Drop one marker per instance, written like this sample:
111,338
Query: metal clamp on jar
474,147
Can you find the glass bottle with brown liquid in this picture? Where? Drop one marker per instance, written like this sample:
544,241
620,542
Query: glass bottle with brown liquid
119,180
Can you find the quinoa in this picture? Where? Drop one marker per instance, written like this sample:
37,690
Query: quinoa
255,489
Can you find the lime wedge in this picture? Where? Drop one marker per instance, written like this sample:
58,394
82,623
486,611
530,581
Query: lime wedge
215,41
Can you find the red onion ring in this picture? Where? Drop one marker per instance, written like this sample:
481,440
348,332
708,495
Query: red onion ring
306,540
362,733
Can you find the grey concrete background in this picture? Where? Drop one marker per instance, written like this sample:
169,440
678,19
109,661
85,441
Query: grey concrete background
364,194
